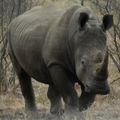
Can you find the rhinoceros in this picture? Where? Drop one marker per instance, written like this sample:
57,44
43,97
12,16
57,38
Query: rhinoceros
61,48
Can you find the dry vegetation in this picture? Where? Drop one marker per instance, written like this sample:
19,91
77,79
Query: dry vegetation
11,100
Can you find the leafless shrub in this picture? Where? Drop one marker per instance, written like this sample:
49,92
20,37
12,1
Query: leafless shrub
9,9
112,7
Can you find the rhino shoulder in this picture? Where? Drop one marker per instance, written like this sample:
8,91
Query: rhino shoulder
55,41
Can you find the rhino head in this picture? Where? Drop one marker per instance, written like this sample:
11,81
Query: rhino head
90,53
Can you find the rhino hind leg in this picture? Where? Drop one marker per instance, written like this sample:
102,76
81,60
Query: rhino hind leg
25,84
55,100
86,100
27,90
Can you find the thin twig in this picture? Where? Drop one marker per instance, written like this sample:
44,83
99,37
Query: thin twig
115,80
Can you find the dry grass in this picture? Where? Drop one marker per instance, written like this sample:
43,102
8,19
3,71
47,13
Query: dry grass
12,107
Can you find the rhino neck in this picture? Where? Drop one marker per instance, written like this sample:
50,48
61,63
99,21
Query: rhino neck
65,21
72,29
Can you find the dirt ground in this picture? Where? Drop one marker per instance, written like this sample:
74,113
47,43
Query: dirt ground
104,107
12,108
103,112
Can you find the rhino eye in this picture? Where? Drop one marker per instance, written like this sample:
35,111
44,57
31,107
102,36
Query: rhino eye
83,62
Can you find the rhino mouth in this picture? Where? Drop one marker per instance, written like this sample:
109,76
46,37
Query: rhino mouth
98,89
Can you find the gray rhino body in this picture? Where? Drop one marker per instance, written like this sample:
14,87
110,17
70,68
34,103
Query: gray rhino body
59,48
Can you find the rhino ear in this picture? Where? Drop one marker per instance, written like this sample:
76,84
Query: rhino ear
107,22
83,18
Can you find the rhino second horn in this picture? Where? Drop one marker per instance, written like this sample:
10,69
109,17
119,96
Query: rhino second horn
104,68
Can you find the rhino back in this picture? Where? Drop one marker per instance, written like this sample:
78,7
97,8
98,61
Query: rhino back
33,23
57,52
26,38
38,39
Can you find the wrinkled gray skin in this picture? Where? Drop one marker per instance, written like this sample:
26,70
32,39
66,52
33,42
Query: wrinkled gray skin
60,48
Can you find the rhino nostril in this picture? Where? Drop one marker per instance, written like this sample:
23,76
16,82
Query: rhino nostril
87,86
87,89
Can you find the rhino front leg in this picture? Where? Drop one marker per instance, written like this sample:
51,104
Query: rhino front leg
86,100
55,100
63,82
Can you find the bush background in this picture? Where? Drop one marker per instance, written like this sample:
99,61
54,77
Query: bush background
10,94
